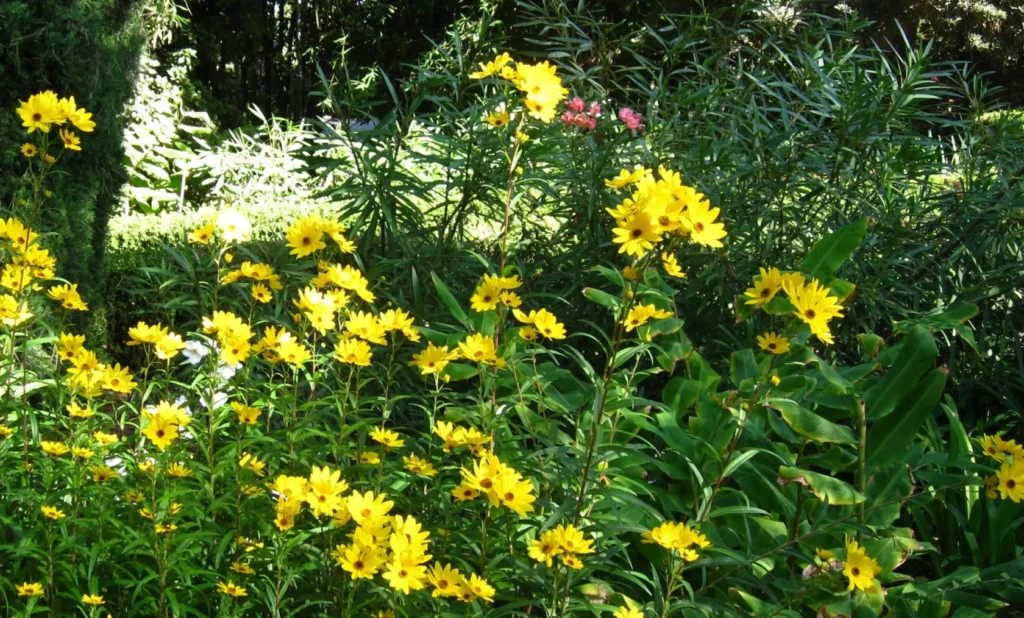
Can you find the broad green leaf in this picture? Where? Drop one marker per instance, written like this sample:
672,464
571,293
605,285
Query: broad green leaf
448,300
886,489
832,251
945,320
890,439
680,393
460,371
823,487
743,366
916,357
603,298
810,425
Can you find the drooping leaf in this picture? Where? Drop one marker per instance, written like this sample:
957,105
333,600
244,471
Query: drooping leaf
449,301
889,440
811,425
823,487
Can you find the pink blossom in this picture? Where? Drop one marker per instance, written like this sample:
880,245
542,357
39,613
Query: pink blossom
632,120
575,105
595,109
567,118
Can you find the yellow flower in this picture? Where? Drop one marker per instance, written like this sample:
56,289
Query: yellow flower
178,470
626,178
1011,480
92,599
30,590
641,314
480,348
671,266
486,70
397,320
242,568
169,346
528,333
548,325
366,326
416,465
118,379
542,87
162,428
445,580
637,235
6,432
77,411
388,438
464,492
571,540
104,439
67,295
261,293
545,548
770,342
486,297
823,555
54,449
627,612
369,457
81,452
814,306
766,286
231,589
325,488
353,352
77,115
992,486
245,414
202,235
40,111
71,141
29,150
571,561
305,237
497,119
705,230
629,273
49,159
101,473
365,508
433,359
143,333
522,138
859,567
480,588
677,537
52,512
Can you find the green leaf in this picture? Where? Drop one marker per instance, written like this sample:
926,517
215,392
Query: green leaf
945,320
916,357
459,371
890,440
823,487
743,366
810,425
886,489
832,251
602,298
448,300
680,393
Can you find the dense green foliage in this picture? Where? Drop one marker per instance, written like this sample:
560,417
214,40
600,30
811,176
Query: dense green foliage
89,49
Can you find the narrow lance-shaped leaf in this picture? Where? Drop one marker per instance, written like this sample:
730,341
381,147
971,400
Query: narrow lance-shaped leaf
832,251
823,487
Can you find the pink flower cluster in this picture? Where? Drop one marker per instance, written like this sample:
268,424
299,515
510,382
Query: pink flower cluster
634,121
578,114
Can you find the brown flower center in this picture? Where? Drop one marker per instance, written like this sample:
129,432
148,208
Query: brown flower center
810,314
486,483
855,571
1010,484
37,116
636,233
358,564
699,227
509,496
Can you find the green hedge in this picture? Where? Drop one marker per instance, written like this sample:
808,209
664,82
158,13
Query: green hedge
86,49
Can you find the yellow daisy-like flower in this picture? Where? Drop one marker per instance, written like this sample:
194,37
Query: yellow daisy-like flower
71,141
1011,480
492,67
860,568
497,119
29,150
627,612
54,449
94,600
705,230
231,589
52,512
992,486
353,352
671,266
245,414
766,286
40,111
261,293
773,343
30,589
242,568
433,359
202,235
390,439
479,348
637,235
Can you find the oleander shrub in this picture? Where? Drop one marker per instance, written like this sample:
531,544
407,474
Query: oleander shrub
285,438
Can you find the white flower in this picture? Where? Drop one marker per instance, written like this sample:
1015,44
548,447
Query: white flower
219,400
117,464
226,372
194,352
